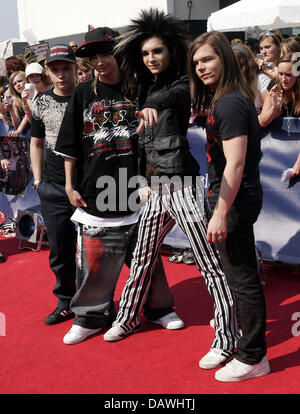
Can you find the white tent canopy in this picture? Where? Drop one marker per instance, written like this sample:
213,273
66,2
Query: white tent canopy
6,48
265,14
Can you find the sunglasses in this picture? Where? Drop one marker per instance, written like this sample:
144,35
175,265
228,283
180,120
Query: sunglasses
267,34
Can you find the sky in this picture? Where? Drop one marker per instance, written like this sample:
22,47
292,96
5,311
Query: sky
9,26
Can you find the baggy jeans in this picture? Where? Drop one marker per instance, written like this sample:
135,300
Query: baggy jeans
101,254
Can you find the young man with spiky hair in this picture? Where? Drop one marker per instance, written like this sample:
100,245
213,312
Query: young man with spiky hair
49,176
153,51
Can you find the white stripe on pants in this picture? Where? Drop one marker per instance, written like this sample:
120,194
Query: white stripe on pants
161,213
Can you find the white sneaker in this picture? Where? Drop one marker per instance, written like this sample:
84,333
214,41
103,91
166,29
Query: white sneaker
169,321
78,334
238,371
215,358
117,332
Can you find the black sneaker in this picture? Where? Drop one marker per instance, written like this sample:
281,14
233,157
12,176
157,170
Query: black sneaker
188,257
2,258
58,316
8,226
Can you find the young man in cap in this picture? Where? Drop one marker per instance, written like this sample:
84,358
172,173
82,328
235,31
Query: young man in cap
98,138
49,176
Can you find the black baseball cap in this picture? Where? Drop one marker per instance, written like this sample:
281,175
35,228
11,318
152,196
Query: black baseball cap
100,40
60,52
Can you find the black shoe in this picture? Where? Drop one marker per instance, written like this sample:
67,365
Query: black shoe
8,226
188,257
58,316
176,257
2,258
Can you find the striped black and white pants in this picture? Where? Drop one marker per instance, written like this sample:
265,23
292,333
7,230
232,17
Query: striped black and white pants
188,208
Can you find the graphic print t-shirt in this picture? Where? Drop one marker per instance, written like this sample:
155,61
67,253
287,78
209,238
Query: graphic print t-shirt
100,132
231,116
47,113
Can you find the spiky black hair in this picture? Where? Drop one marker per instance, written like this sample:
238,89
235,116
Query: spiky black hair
152,22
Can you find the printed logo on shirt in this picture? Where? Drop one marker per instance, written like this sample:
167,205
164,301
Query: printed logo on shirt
50,112
110,125
211,142
209,193
210,117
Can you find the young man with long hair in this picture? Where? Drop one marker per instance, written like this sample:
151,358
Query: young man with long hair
233,154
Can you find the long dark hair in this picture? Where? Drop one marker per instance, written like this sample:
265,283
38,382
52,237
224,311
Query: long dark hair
231,79
151,23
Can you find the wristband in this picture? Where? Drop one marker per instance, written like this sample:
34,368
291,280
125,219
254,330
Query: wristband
35,184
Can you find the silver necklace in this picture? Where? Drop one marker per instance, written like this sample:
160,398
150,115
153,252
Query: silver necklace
289,118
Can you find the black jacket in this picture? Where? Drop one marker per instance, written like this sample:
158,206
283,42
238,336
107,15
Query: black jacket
165,146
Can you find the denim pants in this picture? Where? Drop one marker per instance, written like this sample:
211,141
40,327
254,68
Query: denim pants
101,254
61,232
239,263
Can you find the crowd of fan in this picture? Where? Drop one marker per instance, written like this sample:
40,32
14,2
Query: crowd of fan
16,99
258,59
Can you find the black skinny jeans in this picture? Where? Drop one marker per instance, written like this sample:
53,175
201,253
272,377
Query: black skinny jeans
239,264
57,211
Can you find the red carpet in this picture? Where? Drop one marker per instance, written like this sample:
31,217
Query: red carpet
34,359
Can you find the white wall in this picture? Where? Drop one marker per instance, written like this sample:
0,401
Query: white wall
54,18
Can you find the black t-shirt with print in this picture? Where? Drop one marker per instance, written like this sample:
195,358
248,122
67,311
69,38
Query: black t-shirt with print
233,115
47,113
100,132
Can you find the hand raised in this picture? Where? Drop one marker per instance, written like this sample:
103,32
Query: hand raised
148,116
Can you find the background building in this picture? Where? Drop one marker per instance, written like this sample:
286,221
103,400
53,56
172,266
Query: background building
66,20
69,19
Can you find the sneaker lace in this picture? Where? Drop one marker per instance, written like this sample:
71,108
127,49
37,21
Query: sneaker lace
235,365
62,312
65,312
173,317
